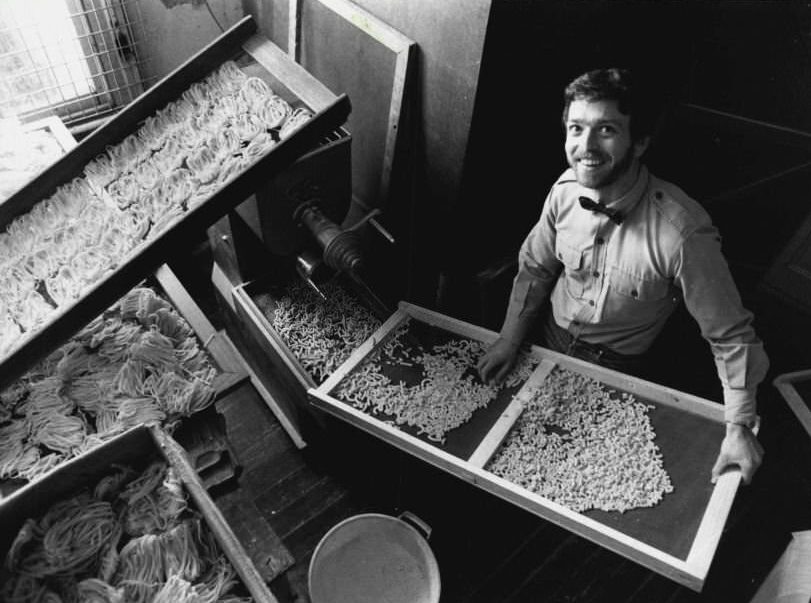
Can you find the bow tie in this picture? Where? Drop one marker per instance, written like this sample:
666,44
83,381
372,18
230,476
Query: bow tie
614,214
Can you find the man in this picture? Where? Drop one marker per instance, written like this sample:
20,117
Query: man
616,249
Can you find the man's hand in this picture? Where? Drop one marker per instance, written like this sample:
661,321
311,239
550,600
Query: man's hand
740,447
498,361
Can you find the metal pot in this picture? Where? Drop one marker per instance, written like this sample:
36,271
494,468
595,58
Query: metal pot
374,558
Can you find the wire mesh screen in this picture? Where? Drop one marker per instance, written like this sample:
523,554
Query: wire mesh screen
73,58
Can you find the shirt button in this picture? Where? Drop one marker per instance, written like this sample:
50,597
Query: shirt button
599,240
595,274
591,302
634,293
658,194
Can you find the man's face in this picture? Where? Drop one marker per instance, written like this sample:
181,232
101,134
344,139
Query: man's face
599,146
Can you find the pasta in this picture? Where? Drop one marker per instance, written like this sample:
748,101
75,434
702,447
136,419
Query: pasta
129,538
584,446
444,396
320,333
138,363
179,156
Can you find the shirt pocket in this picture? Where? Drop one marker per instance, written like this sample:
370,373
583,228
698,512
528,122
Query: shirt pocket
571,256
632,287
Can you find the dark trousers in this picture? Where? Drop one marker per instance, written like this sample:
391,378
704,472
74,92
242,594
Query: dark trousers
559,339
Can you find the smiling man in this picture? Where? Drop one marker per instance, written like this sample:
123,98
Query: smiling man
616,249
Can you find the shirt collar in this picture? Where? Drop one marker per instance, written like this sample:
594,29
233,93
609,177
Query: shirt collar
632,197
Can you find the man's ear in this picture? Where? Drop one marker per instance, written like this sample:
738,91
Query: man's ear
640,146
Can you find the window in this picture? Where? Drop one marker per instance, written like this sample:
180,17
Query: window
72,58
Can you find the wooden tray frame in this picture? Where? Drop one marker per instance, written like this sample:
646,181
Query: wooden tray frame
129,447
237,41
404,50
802,408
690,572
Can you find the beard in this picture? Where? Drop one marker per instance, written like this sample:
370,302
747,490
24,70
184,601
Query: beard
598,179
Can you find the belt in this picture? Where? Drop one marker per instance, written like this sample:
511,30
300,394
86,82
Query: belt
560,340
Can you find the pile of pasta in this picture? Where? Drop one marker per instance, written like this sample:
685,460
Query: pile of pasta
179,157
130,538
447,391
137,363
320,333
584,446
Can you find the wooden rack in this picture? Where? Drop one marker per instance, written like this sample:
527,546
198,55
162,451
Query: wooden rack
133,448
677,538
239,43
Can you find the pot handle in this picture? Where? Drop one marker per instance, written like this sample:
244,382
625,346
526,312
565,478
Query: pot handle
422,527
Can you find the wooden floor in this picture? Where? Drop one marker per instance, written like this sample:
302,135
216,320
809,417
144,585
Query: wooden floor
488,550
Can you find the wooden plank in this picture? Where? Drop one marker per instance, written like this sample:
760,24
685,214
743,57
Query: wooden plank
267,551
263,333
785,384
185,304
268,398
56,128
294,29
215,343
695,513
369,24
501,428
366,348
712,524
296,78
214,518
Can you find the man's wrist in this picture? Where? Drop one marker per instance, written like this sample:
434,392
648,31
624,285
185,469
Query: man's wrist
739,426
509,341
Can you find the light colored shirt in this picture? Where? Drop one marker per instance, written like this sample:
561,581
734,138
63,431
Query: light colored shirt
616,285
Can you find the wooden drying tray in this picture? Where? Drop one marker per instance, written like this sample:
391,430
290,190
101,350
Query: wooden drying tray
135,447
258,326
220,350
677,538
796,389
238,43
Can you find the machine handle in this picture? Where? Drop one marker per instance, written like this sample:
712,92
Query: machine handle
370,218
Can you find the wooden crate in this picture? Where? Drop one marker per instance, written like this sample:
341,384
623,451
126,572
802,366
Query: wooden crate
796,389
260,58
220,350
134,448
677,538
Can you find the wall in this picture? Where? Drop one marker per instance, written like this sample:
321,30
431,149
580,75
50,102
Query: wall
176,30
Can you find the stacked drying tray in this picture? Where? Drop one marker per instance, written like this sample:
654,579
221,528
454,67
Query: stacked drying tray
110,211
91,226
151,358
129,521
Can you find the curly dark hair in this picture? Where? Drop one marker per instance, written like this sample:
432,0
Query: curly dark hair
632,95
